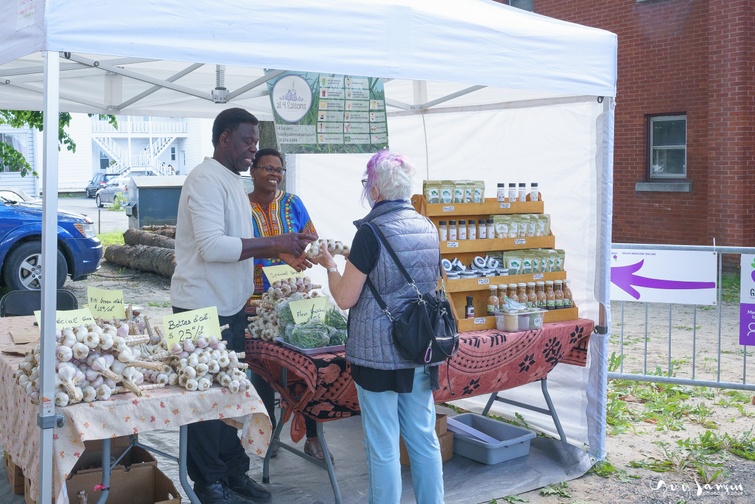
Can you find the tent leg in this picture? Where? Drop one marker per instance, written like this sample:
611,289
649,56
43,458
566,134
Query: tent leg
551,410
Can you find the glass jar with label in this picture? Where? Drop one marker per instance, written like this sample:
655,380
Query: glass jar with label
442,231
482,231
452,230
550,296
531,295
502,295
521,292
490,229
540,292
501,192
512,192
461,231
472,230
558,294
534,193
469,308
493,300
522,192
511,292
568,300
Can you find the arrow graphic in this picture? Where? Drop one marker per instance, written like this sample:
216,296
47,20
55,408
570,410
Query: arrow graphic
626,280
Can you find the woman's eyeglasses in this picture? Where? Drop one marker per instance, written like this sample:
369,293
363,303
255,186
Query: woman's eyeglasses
273,169
364,182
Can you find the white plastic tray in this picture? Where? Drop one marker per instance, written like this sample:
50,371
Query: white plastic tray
310,351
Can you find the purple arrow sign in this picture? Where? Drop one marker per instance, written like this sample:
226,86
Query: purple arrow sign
624,277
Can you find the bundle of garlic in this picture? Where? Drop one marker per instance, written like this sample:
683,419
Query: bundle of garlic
199,363
333,246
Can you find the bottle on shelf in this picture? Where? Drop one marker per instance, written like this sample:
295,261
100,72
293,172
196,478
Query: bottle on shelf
512,192
540,292
511,292
502,294
472,230
490,230
568,300
550,296
531,295
461,232
452,230
522,192
534,193
493,300
501,192
482,232
442,231
558,294
469,308
521,293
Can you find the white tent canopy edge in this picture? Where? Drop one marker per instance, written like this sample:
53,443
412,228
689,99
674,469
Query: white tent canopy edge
455,46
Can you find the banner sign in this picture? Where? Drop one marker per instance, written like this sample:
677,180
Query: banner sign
664,276
328,113
747,300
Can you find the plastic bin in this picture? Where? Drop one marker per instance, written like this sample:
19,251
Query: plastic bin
512,441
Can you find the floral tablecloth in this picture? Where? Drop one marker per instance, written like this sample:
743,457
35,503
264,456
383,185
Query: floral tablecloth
123,414
320,386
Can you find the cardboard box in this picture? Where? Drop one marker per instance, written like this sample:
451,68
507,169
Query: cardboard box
138,484
91,458
15,475
489,441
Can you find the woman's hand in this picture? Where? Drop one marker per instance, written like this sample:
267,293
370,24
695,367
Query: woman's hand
324,258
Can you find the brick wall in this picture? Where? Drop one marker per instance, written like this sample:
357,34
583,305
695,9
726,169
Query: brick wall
681,56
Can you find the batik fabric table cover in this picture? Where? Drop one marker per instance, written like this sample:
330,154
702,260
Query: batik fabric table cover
320,386
122,414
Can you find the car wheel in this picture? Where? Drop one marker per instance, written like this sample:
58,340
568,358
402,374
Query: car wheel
23,267
98,201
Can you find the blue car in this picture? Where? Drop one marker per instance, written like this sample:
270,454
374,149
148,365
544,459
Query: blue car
79,249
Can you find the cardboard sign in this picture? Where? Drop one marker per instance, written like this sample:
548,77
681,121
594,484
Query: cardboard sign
190,325
68,318
106,303
279,272
306,309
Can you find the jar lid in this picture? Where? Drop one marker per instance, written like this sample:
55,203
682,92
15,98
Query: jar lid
442,223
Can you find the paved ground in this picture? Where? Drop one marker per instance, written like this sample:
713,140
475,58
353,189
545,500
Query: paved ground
105,219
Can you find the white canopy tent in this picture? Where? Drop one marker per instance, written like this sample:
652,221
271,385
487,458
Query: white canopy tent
475,90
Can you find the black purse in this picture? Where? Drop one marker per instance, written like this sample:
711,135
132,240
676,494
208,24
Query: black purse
426,332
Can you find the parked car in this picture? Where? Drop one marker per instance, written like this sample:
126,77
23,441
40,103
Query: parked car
18,195
79,249
98,182
114,186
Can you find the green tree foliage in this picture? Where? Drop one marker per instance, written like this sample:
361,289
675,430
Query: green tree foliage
13,160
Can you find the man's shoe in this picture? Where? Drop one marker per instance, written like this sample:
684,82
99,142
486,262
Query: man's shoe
313,448
217,493
246,486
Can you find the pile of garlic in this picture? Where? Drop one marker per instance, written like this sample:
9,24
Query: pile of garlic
265,325
98,360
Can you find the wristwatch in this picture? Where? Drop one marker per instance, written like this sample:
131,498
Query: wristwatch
333,270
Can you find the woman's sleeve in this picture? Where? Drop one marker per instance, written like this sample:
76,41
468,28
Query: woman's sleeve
364,250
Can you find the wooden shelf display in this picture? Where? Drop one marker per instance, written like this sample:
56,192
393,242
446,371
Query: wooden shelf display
466,250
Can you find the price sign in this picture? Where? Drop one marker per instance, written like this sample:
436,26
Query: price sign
448,209
306,309
483,281
68,318
505,205
190,325
452,244
520,241
106,303
279,272
479,320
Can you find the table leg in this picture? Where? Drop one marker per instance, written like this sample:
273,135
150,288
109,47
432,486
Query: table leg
551,410
182,450
328,463
105,471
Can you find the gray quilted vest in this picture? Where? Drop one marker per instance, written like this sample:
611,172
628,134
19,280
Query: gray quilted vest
415,240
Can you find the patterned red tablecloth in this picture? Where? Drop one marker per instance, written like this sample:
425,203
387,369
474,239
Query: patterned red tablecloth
320,386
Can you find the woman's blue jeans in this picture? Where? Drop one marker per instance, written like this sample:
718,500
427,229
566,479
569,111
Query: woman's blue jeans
384,416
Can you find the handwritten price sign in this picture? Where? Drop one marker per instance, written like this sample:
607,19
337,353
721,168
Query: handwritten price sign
106,303
68,318
190,325
305,309
280,272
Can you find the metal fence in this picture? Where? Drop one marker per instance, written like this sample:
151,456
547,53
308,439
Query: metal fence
682,344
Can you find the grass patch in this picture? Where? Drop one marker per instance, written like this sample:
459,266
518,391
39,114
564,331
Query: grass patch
730,287
112,238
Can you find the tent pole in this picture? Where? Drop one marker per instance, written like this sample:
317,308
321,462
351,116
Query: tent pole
46,419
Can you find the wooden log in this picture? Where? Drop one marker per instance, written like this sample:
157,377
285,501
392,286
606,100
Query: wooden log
165,230
137,237
143,257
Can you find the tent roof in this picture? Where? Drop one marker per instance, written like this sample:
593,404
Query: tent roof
145,57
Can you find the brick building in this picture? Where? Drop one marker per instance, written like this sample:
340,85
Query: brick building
684,158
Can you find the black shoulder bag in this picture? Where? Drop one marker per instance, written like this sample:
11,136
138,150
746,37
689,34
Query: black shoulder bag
426,332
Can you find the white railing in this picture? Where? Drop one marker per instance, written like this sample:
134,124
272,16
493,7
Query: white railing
141,128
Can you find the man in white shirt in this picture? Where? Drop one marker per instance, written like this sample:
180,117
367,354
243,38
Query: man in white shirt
215,246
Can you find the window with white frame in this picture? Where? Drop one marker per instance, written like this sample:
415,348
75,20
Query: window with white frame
527,5
667,147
